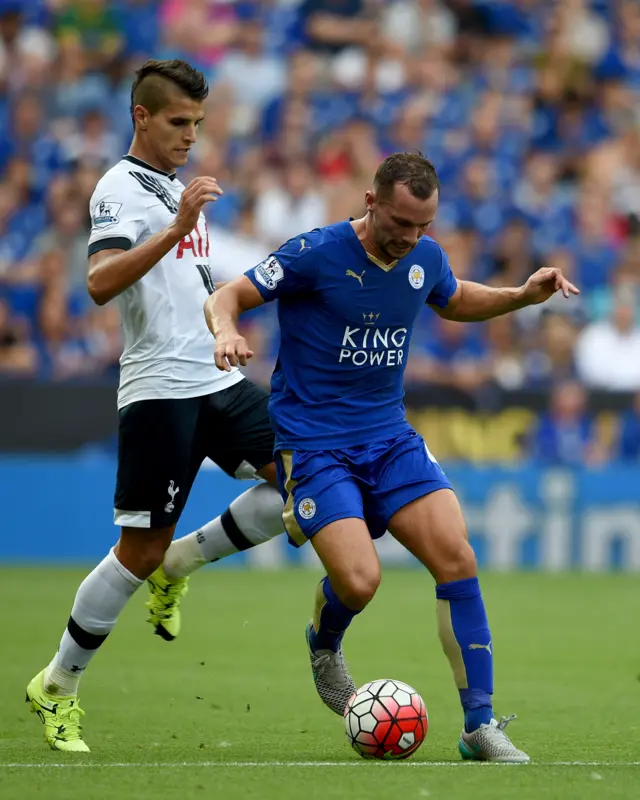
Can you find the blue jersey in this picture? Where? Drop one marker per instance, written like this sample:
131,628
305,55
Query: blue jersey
345,327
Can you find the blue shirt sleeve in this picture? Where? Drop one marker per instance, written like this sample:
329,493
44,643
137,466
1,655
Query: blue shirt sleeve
446,285
288,272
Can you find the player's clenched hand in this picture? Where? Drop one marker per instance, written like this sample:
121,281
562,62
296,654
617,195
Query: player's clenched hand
231,350
198,192
546,282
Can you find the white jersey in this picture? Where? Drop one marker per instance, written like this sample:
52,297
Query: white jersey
168,349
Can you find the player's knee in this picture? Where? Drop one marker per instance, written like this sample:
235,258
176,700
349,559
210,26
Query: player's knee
142,551
457,563
361,586
151,556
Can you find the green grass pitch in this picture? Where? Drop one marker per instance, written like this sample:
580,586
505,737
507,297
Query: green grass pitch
229,710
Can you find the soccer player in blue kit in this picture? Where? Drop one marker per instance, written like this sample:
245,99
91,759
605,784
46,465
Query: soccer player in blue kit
349,465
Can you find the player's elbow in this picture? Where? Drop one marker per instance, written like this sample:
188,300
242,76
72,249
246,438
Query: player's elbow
96,291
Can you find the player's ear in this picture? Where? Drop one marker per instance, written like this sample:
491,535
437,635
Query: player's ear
370,199
141,117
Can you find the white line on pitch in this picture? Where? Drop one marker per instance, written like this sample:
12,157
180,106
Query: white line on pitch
306,764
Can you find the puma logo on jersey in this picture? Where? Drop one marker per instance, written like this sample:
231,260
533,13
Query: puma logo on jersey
486,647
172,493
360,278
303,245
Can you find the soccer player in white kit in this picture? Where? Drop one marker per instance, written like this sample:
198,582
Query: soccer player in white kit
149,250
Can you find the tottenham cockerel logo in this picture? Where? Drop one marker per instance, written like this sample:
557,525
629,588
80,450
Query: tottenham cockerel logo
172,493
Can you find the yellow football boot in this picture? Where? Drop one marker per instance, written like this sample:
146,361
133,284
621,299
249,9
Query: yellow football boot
60,716
164,603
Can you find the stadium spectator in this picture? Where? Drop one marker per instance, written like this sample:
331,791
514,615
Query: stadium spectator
81,183
18,357
93,144
96,25
63,348
543,203
201,31
415,26
67,236
27,48
551,359
345,159
608,352
102,335
507,366
511,260
625,278
76,87
565,434
624,56
614,167
21,217
333,25
585,35
629,433
255,76
287,208
140,28
26,135
596,245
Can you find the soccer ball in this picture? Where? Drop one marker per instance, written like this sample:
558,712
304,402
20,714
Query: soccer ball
386,719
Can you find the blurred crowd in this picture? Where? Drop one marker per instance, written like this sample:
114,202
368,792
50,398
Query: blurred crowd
528,108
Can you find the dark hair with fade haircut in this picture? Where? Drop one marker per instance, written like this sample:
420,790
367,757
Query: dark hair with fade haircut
151,82
411,169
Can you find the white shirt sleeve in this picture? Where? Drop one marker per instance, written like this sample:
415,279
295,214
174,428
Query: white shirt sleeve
117,215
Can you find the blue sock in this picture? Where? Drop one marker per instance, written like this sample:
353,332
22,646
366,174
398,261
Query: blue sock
466,640
331,618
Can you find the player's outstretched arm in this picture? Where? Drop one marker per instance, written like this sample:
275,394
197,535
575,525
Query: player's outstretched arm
222,311
113,271
475,302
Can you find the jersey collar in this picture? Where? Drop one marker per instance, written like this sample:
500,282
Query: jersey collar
379,263
140,163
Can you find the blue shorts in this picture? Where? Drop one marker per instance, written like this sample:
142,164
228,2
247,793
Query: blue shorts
370,482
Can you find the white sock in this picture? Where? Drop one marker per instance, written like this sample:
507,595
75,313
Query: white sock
253,518
100,599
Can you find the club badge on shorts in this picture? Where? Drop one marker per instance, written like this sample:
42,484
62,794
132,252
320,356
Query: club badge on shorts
307,508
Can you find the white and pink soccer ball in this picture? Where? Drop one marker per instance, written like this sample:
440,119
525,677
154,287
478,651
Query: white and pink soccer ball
386,719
